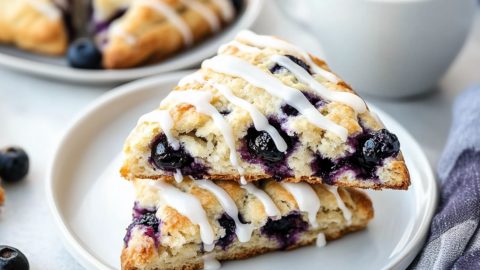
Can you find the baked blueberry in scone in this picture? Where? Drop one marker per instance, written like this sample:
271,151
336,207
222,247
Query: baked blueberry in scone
151,30
36,25
189,224
265,108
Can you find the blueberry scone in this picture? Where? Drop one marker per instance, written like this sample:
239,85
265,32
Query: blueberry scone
35,25
193,223
151,30
263,108
2,196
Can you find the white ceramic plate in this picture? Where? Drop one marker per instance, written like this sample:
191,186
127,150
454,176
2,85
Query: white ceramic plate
57,68
92,206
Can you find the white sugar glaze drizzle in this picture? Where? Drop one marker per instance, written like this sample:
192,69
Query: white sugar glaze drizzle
270,208
243,231
201,101
187,205
47,9
240,46
349,99
226,8
190,207
205,12
347,214
268,41
117,30
243,181
197,76
321,241
306,198
178,176
172,17
165,120
259,120
240,68
210,262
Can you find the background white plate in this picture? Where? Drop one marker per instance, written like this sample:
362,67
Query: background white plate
92,206
57,68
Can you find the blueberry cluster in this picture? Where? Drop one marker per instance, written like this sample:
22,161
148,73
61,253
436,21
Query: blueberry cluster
372,148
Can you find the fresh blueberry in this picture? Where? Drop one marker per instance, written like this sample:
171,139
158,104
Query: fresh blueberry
167,158
83,53
14,164
276,68
12,259
263,146
380,145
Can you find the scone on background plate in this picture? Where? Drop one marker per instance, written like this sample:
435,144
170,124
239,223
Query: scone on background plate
127,33
152,30
264,108
2,196
189,224
35,25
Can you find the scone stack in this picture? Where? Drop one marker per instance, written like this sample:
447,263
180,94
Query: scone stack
259,150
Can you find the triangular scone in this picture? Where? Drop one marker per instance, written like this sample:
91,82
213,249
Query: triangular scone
264,108
35,25
184,225
152,30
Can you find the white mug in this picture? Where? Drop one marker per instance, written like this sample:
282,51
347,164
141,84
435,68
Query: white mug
388,48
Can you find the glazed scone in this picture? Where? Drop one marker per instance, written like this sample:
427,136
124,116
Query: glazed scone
35,25
2,196
178,225
264,108
105,11
152,30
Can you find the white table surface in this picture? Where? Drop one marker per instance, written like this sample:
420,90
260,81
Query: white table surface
34,111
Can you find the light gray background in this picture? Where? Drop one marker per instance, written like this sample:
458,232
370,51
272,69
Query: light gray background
34,111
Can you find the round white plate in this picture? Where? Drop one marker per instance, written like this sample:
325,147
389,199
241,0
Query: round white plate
57,68
92,205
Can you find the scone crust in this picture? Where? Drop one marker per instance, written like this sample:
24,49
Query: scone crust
142,253
2,196
156,38
27,28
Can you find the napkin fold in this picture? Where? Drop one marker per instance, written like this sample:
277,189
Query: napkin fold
454,238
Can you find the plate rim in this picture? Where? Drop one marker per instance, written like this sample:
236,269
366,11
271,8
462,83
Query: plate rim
85,258
65,73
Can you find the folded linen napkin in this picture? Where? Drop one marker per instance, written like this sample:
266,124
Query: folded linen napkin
454,239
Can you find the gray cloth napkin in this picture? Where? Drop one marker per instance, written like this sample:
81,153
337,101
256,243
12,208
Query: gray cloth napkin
454,238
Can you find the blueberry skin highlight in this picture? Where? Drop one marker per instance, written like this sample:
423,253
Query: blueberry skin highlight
84,54
262,145
166,158
380,145
12,259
